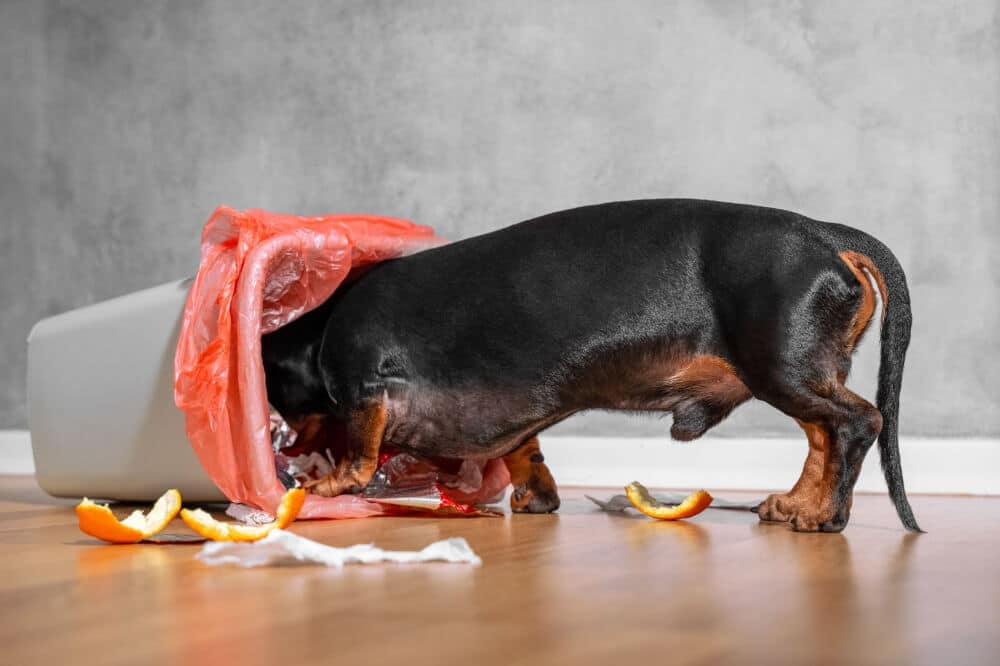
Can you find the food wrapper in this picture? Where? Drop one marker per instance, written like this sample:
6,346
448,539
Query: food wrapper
281,548
259,271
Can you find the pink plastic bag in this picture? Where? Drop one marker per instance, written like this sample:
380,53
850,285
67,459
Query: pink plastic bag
258,272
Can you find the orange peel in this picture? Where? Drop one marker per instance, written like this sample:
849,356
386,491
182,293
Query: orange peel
202,522
98,521
692,505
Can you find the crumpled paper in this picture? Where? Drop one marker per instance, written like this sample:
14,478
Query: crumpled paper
281,548
619,503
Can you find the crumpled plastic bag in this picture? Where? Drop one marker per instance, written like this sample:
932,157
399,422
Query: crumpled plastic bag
401,479
259,271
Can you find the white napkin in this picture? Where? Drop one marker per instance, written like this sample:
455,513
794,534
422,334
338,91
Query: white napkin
281,548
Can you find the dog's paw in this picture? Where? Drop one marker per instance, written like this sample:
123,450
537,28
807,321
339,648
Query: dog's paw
803,515
819,521
523,500
777,508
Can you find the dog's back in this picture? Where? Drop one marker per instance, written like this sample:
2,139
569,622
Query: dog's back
585,308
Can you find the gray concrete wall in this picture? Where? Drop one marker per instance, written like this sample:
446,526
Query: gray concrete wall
123,124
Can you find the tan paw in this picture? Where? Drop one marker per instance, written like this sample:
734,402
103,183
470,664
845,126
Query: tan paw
779,508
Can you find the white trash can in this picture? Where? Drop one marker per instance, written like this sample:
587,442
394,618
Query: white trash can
101,401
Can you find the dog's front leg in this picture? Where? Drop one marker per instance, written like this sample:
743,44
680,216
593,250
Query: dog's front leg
365,429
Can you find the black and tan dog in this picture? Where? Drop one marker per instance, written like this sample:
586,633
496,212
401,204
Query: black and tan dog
691,307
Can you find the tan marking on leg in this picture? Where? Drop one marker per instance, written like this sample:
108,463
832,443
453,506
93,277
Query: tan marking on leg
815,485
815,500
534,488
366,427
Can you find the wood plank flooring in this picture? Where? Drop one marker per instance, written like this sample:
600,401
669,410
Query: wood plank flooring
577,587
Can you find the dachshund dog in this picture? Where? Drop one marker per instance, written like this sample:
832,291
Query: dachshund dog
691,307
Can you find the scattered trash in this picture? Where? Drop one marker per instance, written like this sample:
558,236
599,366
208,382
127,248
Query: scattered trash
98,521
202,522
691,506
403,482
281,548
619,503
248,515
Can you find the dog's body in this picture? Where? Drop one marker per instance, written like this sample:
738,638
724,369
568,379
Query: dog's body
693,307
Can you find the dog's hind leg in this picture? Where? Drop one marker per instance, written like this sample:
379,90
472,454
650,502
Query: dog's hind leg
841,427
365,429
803,376
534,488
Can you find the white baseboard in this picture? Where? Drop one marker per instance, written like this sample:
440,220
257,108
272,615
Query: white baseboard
940,466
15,452
931,465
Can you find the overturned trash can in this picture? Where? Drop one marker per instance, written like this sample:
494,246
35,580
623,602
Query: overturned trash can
259,271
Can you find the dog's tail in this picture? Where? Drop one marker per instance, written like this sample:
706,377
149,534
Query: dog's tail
875,258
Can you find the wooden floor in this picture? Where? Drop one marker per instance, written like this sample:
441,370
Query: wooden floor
580,586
